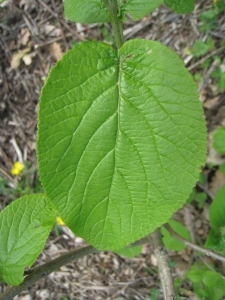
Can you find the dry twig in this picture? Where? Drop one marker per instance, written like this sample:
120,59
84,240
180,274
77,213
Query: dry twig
194,246
164,269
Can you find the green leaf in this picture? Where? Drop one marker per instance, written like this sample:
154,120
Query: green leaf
195,275
87,11
219,140
129,252
171,242
191,196
217,209
181,6
140,8
24,227
121,139
222,168
211,279
154,294
202,178
201,198
215,240
200,293
218,290
210,43
199,48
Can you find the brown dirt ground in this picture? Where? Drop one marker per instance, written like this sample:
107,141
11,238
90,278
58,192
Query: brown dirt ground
39,29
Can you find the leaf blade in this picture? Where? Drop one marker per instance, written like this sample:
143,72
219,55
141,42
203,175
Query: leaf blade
113,139
88,11
24,227
140,8
181,6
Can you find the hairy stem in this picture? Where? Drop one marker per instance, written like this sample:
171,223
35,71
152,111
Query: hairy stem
194,246
164,269
112,7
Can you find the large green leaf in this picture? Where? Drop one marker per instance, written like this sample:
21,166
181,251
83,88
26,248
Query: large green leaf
87,11
140,8
121,139
24,227
181,6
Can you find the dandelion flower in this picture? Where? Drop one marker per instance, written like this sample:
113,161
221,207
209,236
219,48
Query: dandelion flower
17,168
60,221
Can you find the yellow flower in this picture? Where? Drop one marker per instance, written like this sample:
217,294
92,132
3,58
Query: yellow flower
17,168
60,221
214,1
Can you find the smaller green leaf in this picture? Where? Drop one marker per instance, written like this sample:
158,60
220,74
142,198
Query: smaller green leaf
222,168
218,290
199,48
191,197
24,227
200,198
87,11
181,6
210,43
195,275
202,178
217,209
140,8
215,240
210,278
219,140
154,294
199,291
129,252
171,242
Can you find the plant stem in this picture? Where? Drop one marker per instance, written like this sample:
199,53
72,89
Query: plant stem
164,269
112,7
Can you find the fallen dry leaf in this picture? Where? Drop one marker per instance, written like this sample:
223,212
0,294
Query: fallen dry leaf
51,30
217,182
27,4
56,51
27,59
24,36
16,58
211,103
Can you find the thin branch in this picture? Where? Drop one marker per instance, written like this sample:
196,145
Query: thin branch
37,273
199,62
164,269
46,269
193,246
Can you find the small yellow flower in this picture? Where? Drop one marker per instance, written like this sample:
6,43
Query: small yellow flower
214,1
60,221
17,168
